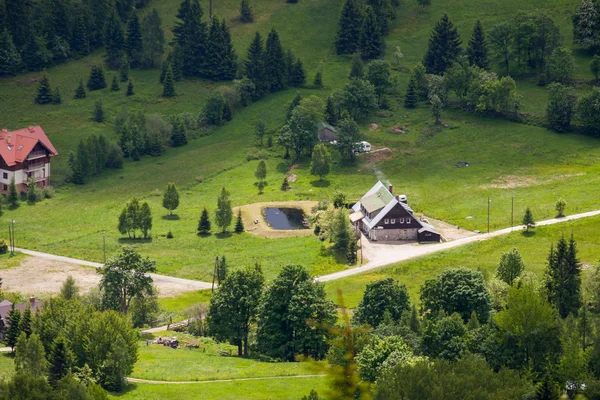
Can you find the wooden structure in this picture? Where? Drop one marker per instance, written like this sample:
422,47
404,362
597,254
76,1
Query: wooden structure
326,132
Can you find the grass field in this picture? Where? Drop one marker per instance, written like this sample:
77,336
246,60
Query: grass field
7,365
507,160
483,256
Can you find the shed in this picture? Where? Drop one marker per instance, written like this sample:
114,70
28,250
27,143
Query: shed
326,132
428,233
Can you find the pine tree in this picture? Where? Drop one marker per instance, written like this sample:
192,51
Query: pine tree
229,64
298,77
14,331
80,43
223,213
563,278
351,255
114,86
318,81
25,322
274,62
98,114
61,360
19,21
80,92
96,80
239,224
13,193
350,26
254,66
528,220
190,35
178,137
130,91
10,59
35,55
56,99
169,86
330,112
411,98
357,68
214,49
371,41
204,223
133,44
246,11
124,69
44,91
444,47
477,50
113,40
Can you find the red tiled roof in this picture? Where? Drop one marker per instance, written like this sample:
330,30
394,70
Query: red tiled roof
15,146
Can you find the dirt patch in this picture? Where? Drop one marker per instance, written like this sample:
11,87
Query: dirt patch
449,232
516,181
373,127
292,178
256,224
293,167
375,157
38,277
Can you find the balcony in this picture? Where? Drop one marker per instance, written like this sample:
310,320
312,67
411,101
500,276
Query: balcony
34,167
36,179
36,154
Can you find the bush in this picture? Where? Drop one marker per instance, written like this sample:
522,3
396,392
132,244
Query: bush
3,246
48,192
169,235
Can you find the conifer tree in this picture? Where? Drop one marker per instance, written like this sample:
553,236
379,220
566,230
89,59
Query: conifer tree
114,86
61,360
293,104
80,92
13,193
25,322
169,86
330,112
444,47
371,41
411,98
204,223
80,43
254,66
190,35
246,11
13,332
35,55
274,62
318,81
96,80
357,68
56,99
44,91
351,255
130,91
153,40
563,278
477,51
113,40
350,25
226,112
214,49
124,69
98,113
381,8
528,220
178,137
170,198
223,213
19,21
229,64
298,77
261,175
133,43
163,71
239,224
10,58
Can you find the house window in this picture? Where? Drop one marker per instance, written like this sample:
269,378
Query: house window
386,221
401,220
393,221
5,175
408,220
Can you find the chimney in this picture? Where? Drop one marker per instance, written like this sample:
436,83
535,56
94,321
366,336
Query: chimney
402,198
9,139
4,130
391,188
31,129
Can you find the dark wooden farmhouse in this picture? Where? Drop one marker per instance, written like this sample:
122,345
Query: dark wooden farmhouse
382,216
326,132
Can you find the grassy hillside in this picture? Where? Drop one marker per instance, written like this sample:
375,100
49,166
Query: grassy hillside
506,159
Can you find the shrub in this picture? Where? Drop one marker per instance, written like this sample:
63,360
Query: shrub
48,192
3,246
169,235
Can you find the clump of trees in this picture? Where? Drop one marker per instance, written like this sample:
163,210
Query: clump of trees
135,216
92,156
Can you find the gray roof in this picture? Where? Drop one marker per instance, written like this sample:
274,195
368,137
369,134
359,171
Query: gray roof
325,125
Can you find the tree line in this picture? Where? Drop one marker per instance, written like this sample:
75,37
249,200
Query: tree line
92,156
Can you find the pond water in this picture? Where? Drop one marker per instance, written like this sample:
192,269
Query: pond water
285,219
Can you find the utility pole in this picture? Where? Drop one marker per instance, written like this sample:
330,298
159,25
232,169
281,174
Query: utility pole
210,11
214,273
104,245
13,237
10,240
489,201
512,213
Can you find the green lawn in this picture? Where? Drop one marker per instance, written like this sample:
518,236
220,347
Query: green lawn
179,304
7,365
482,255
272,389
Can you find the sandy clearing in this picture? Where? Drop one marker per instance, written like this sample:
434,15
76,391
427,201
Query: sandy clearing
517,181
252,212
37,276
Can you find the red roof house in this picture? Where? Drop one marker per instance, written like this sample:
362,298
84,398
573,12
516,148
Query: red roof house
24,155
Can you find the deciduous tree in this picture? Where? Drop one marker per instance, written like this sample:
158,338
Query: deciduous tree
320,162
561,107
510,267
170,198
384,295
586,25
223,213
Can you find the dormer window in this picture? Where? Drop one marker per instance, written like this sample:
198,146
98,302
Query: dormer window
386,221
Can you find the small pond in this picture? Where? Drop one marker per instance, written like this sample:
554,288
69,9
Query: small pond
285,219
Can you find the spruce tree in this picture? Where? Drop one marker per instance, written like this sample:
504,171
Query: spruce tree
371,41
229,64
563,278
444,47
239,224
411,98
274,62
10,58
204,223
254,65
133,44
130,91
586,25
169,86
13,193
44,91
124,69
96,80
113,40
318,81
293,104
25,322
357,68
477,50
13,332
19,21
214,49
114,86
80,92
35,55
61,360
330,112
178,137
153,40
246,11
351,255
98,114
350,25
56,99
298,77
190,35
80,43
163,71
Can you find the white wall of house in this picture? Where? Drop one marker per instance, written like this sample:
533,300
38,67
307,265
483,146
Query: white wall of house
21,175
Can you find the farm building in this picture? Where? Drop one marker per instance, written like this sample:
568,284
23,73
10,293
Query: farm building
381,215
6,306
326,132
25,154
